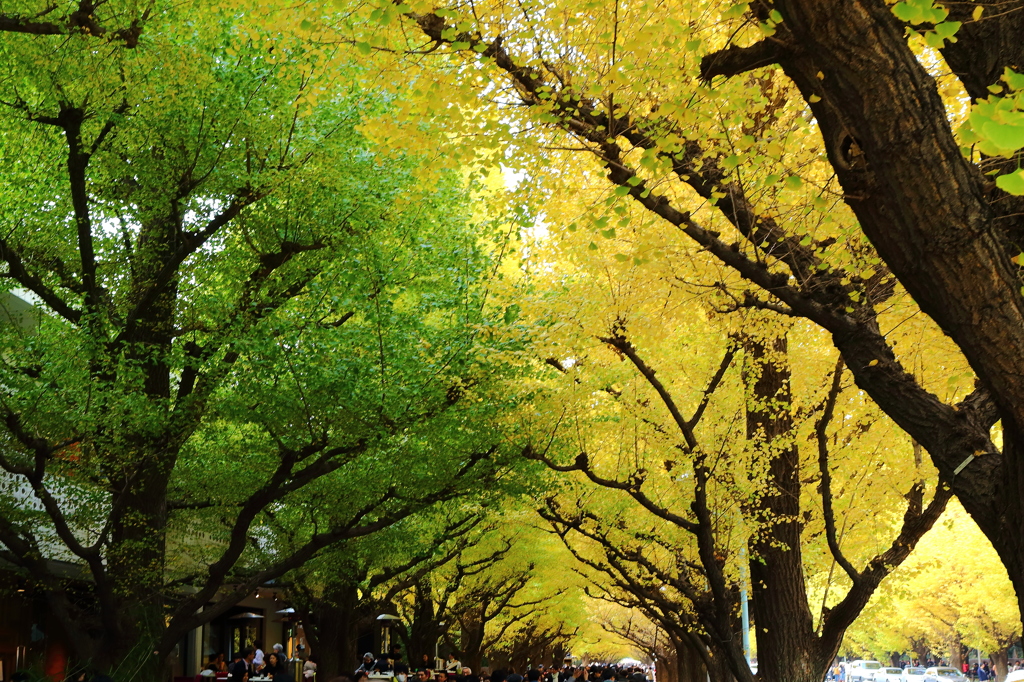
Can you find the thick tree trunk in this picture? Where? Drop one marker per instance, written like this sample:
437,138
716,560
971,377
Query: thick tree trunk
338,618
1000,663
786,640
424,631
935,220
471,640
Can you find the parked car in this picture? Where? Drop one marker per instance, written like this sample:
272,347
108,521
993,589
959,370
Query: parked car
912,674
862,671
1015,676
889,675
943,675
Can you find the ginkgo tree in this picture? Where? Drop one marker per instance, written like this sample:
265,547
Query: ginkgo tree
951,592
243,312
689,459
733,122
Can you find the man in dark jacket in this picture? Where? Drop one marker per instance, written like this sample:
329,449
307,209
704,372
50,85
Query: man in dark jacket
238,671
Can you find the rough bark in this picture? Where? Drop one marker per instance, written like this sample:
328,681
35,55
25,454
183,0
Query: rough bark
786,641
1000,663
333,629
933,217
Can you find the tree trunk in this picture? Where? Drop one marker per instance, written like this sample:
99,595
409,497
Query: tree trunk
1000,663
424,630
936,223
334,634
471,639
920,648
786,640
688,665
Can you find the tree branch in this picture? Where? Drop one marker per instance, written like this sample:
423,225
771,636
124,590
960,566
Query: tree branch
821,434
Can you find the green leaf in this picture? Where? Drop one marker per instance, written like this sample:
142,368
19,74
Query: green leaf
735,11
609,233
1012,183
933,40
621,191
1013,79
1005,135
364,47
621,257
794,182
904,12
947,29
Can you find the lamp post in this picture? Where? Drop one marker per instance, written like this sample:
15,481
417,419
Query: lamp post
437,647
386,620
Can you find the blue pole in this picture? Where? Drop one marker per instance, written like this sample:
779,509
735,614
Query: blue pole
744,610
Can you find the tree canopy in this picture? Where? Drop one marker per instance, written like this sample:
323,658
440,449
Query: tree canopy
728,270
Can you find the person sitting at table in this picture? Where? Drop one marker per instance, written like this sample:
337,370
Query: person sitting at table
360,676
277,668
239,671
452,665
426,663
367,664
220,664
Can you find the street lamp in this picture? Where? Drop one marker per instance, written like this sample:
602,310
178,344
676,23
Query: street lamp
386,621
437,647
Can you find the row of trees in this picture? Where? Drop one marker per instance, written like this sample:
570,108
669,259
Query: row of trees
256,336
276,313
458,584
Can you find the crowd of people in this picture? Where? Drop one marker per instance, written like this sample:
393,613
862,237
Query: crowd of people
426,669
251,663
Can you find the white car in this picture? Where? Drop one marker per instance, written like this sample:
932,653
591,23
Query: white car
862,671
943,674
912,674
1015,676
889,675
